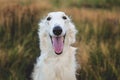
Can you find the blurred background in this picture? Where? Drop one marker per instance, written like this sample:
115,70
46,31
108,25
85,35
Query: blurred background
98,38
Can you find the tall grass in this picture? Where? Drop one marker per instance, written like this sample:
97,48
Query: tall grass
19,40
98,39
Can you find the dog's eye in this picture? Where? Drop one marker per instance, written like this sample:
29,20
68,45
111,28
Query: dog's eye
49,18
64,17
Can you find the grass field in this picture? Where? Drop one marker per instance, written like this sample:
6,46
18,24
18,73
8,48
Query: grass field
98,38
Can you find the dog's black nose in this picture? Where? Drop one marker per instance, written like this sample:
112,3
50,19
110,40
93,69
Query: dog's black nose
57,30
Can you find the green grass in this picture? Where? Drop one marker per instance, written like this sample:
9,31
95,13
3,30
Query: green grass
98,39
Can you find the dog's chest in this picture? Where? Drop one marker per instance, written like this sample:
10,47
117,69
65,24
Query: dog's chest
57,68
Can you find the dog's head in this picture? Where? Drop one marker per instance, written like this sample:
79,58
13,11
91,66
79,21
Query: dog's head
57,28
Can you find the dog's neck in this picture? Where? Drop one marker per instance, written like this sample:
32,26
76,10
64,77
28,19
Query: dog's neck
59,65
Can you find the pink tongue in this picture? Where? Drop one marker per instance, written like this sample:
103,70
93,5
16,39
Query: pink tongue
57,44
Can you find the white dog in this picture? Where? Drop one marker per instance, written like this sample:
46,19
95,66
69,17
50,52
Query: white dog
57,60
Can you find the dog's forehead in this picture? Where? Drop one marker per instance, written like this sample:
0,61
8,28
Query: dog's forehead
56,14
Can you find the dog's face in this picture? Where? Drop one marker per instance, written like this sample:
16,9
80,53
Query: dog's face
58,27
57,31
56,22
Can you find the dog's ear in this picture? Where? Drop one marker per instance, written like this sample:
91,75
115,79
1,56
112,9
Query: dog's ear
42,23
72,33
42,33
41,29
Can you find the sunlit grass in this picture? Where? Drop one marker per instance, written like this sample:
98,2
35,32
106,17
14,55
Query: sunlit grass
98,39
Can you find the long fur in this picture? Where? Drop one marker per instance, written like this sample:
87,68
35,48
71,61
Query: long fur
50,66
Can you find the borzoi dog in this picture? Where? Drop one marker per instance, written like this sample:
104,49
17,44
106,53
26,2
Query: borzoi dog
57,60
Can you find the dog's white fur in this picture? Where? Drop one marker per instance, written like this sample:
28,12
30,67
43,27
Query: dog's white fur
51,66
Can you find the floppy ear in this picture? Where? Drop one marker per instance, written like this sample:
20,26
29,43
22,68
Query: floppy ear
42,23
41,29
71,33
43,37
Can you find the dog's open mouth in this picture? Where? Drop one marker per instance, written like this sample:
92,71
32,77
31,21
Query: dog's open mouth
58,44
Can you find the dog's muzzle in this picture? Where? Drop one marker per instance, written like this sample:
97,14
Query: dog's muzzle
57,40
57,30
